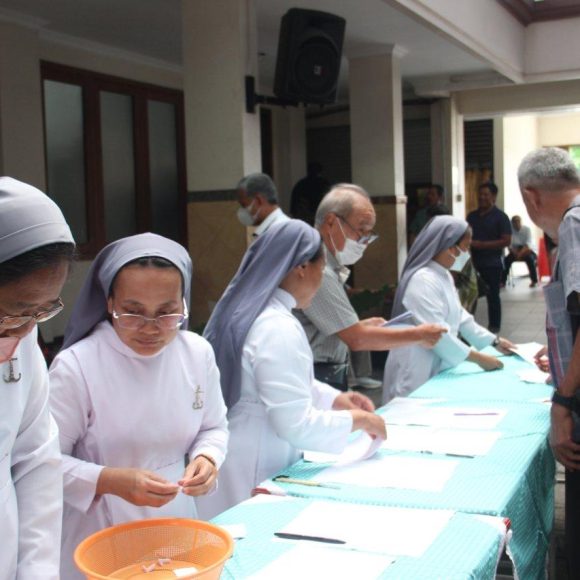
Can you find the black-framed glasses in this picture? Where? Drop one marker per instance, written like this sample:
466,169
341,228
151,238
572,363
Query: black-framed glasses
138,321
365,239
13,322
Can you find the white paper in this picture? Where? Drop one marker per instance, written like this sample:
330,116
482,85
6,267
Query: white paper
363,447
527,350
386,530
307,560
405,319
535,376
392,471
236,531
469,443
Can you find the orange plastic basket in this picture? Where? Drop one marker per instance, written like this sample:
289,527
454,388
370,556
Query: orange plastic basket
159,545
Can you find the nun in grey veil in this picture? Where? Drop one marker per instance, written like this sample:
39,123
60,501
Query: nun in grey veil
427,291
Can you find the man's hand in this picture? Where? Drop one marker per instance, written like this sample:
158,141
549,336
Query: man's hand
429,334
566,451
541,359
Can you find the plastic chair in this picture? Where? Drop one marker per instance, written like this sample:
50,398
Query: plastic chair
171,548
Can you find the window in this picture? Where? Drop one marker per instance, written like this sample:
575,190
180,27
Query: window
115,156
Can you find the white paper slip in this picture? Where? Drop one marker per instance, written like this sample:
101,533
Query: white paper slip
313,561
405,410
527,350
465,443
405,319
424,474
535,376
361,448
236,531
392,531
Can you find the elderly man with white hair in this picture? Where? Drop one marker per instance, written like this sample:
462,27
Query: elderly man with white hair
550,186
345,219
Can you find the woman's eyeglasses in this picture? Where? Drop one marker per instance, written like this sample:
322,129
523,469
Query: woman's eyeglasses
137,321
13,322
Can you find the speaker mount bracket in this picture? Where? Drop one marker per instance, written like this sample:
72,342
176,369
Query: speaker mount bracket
253,99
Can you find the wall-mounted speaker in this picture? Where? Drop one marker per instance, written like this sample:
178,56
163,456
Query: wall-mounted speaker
309,53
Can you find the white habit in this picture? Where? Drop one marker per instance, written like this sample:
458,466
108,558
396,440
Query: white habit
432,298
30,472
116,408
282,408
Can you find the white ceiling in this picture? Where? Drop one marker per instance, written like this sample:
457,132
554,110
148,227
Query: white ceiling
152,28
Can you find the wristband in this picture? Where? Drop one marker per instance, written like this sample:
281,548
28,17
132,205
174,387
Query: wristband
567,402
495,342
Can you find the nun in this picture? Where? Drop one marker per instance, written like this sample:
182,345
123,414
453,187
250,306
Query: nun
138,402
275,406
427,291
36,250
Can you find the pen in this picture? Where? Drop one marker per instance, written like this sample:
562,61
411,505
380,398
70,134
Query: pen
427,452
286,479
287,536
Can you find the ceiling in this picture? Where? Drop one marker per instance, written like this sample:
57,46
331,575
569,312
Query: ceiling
152,28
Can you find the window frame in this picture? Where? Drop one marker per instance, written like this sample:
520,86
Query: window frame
91,84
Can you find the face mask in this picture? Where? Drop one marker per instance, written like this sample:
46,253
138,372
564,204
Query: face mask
245,215
352,251
460,261
8,345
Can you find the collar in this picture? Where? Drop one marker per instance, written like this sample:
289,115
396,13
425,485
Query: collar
287,300
117,344
275,215
441,270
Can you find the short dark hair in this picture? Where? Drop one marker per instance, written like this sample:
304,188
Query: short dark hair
36,259
259,183
318,254
490,185
147,262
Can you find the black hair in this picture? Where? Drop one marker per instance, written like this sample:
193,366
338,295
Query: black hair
490,185
37,259
458,241
318,254
148,262
439,189
434,210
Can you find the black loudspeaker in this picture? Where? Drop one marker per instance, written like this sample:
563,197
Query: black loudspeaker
309,52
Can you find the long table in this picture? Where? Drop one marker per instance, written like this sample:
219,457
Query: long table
514,480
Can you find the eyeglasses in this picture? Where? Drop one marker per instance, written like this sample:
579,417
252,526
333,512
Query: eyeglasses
13,322
165,321
361,239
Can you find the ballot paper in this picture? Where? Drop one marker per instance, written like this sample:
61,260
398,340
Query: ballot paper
394,471
236,531
405,319
535,376
361,448
393,531
527,350
308,560
437,440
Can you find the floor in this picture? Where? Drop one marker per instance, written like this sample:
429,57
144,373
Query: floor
523,317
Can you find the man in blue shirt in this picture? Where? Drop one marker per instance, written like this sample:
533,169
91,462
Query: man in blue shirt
491,234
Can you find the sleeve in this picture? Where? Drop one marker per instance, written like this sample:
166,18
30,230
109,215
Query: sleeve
284,385
425,299
71,407
569,250
37,477
474,334
505,226
331,310
323,395
212,439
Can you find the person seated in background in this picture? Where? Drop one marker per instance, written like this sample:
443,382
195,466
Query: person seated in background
426,290
258,199
520,250
137,400
276,408
434,205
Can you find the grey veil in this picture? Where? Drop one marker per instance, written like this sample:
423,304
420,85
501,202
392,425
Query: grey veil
266,262
29,219
91,305
440,233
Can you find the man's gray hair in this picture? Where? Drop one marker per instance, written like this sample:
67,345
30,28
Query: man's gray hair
339,200
548,169
259,183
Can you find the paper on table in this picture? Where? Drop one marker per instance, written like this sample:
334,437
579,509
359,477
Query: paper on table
319,561
443,441
535,376
363,447
236,531
527,350
392,471
393,531
405,319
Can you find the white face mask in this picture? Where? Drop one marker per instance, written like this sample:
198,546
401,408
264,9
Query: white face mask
352,251
460,260
245,215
